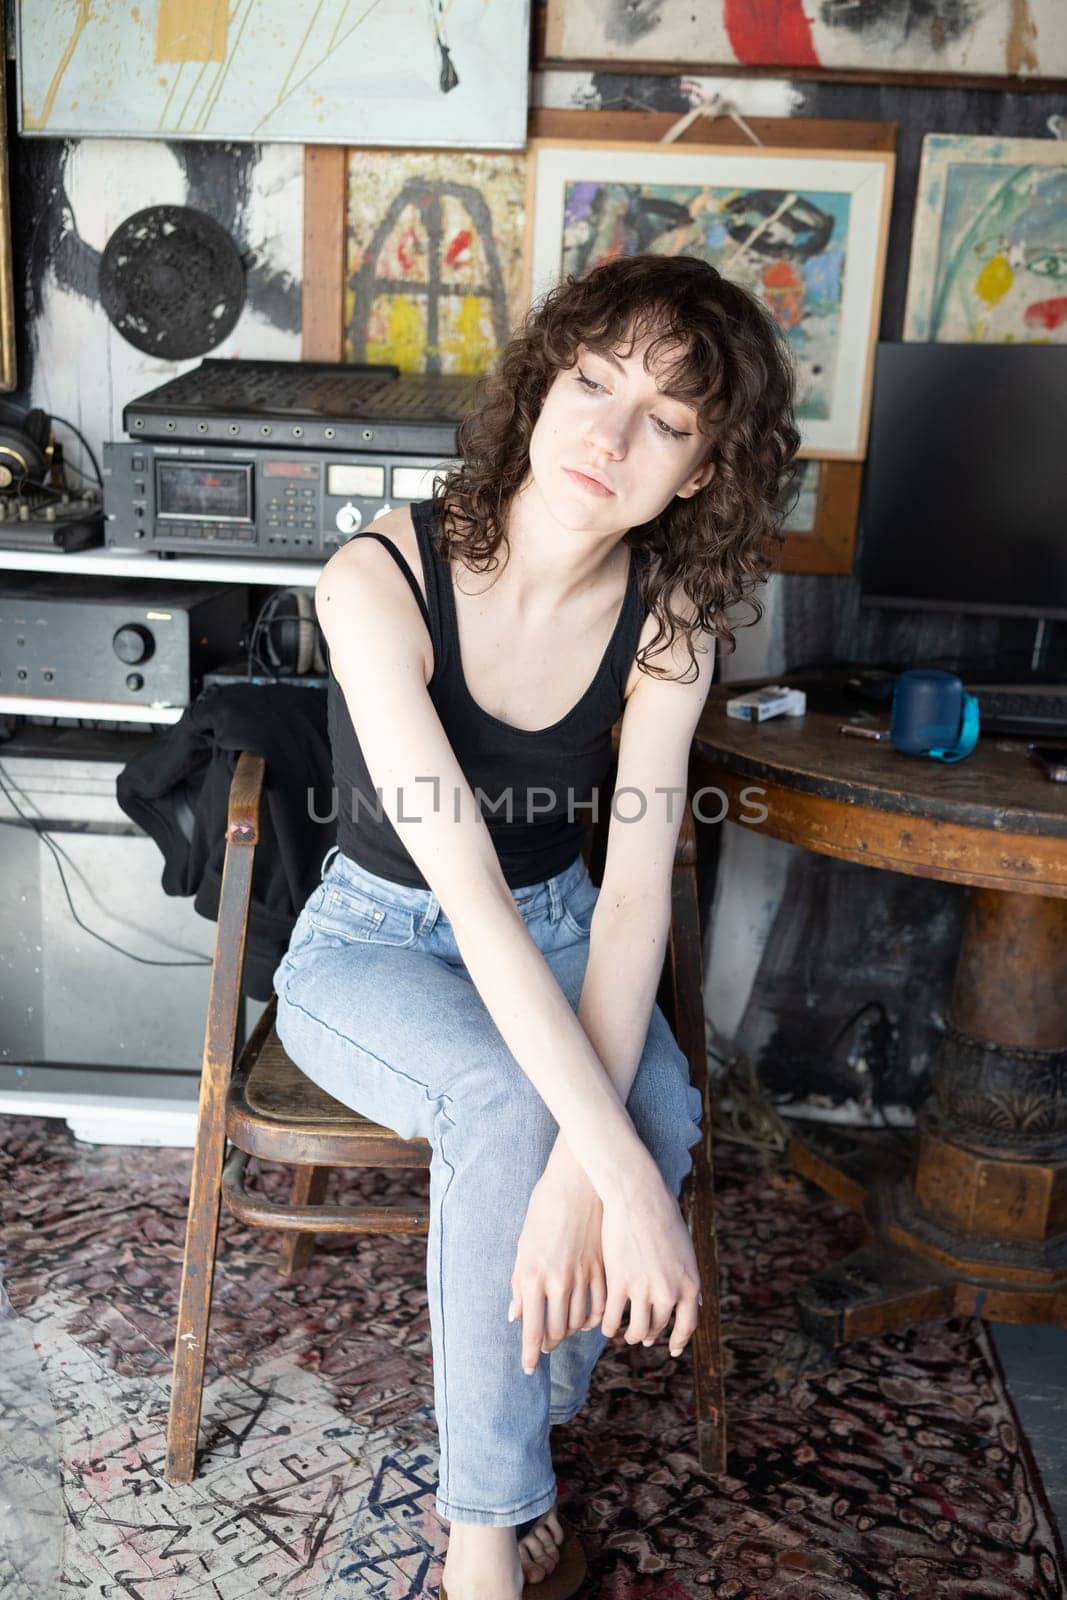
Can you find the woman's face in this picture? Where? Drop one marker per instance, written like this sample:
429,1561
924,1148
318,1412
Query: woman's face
611,449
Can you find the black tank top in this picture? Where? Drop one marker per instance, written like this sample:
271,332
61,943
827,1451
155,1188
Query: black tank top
541,775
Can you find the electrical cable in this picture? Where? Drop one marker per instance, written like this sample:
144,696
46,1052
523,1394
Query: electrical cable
86,446
42,833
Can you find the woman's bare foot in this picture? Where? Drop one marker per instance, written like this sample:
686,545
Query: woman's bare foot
539,1548
487,1563
482,1563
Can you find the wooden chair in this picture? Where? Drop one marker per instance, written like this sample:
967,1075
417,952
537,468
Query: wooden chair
267,1109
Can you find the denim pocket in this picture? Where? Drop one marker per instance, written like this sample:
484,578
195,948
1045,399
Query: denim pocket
346,913
578,907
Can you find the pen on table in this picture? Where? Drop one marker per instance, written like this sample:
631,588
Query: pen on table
860,732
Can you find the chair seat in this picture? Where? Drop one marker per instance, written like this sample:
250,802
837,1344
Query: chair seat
275,1111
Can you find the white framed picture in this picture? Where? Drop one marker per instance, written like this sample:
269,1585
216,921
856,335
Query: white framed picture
989,242
803,231
394,72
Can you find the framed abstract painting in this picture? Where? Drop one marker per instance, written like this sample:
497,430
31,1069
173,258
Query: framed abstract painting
803,231
388,72
989,242
1025,40
434,245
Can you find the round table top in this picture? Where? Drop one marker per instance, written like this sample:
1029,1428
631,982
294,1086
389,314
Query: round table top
992,820
997,787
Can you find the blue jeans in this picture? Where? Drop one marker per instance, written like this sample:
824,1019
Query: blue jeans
376,1005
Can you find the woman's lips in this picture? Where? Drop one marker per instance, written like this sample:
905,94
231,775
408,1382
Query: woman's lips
589,484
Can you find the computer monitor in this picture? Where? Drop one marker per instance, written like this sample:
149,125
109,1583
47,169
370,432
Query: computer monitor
964,502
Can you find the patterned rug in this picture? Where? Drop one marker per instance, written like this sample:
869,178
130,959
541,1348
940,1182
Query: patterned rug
894,1468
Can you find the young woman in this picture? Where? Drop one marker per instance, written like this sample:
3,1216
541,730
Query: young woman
457,975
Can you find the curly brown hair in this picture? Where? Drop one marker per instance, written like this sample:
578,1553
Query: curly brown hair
724,355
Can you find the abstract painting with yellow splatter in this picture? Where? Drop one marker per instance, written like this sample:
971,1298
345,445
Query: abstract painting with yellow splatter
433,258
387,72
989,245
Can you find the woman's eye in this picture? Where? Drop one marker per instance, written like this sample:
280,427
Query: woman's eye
588,382
665,428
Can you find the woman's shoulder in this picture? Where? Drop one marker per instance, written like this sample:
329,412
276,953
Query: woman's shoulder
361,563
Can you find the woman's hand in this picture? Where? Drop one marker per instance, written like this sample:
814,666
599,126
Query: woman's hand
558,1261
649,1260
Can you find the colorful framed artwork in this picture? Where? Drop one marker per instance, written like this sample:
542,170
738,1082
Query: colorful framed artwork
393,72
804,232
1025,40
989,242
434,249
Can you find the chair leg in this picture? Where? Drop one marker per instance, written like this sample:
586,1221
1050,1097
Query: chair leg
205,1190
309,1189
686,973
708,1379
194,1310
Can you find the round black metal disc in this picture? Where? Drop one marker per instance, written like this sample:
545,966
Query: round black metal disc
172,281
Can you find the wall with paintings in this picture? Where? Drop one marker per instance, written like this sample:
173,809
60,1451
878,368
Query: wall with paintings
797,941
430,274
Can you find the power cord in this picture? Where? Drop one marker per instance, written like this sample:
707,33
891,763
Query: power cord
7,784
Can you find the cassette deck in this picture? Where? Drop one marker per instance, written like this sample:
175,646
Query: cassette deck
285,460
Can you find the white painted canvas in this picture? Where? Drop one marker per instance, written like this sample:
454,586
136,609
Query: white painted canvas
395,72
805,233
82,367
989,38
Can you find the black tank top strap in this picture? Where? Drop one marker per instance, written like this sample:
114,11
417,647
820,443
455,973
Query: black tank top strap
369,533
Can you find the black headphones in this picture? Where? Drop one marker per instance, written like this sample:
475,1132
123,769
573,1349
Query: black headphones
286,639
26,447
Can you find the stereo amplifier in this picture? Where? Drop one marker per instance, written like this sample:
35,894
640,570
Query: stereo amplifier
127,642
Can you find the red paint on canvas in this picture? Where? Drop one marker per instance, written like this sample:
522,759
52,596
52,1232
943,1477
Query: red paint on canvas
769,33
1047,314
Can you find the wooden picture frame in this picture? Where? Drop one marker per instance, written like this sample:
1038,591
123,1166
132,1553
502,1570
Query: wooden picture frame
828,547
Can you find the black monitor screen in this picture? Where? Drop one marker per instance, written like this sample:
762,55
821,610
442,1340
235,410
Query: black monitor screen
965,489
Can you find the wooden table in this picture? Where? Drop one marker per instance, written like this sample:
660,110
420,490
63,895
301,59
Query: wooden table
976,1221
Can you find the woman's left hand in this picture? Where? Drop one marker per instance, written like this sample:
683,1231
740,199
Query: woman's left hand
558,1261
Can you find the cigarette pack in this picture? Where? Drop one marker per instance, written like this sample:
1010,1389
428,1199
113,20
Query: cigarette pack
774,701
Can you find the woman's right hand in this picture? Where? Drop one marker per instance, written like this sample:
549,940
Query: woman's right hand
649,1260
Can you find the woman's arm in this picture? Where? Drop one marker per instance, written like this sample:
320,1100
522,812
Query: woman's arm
626,950
631,923
377,641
